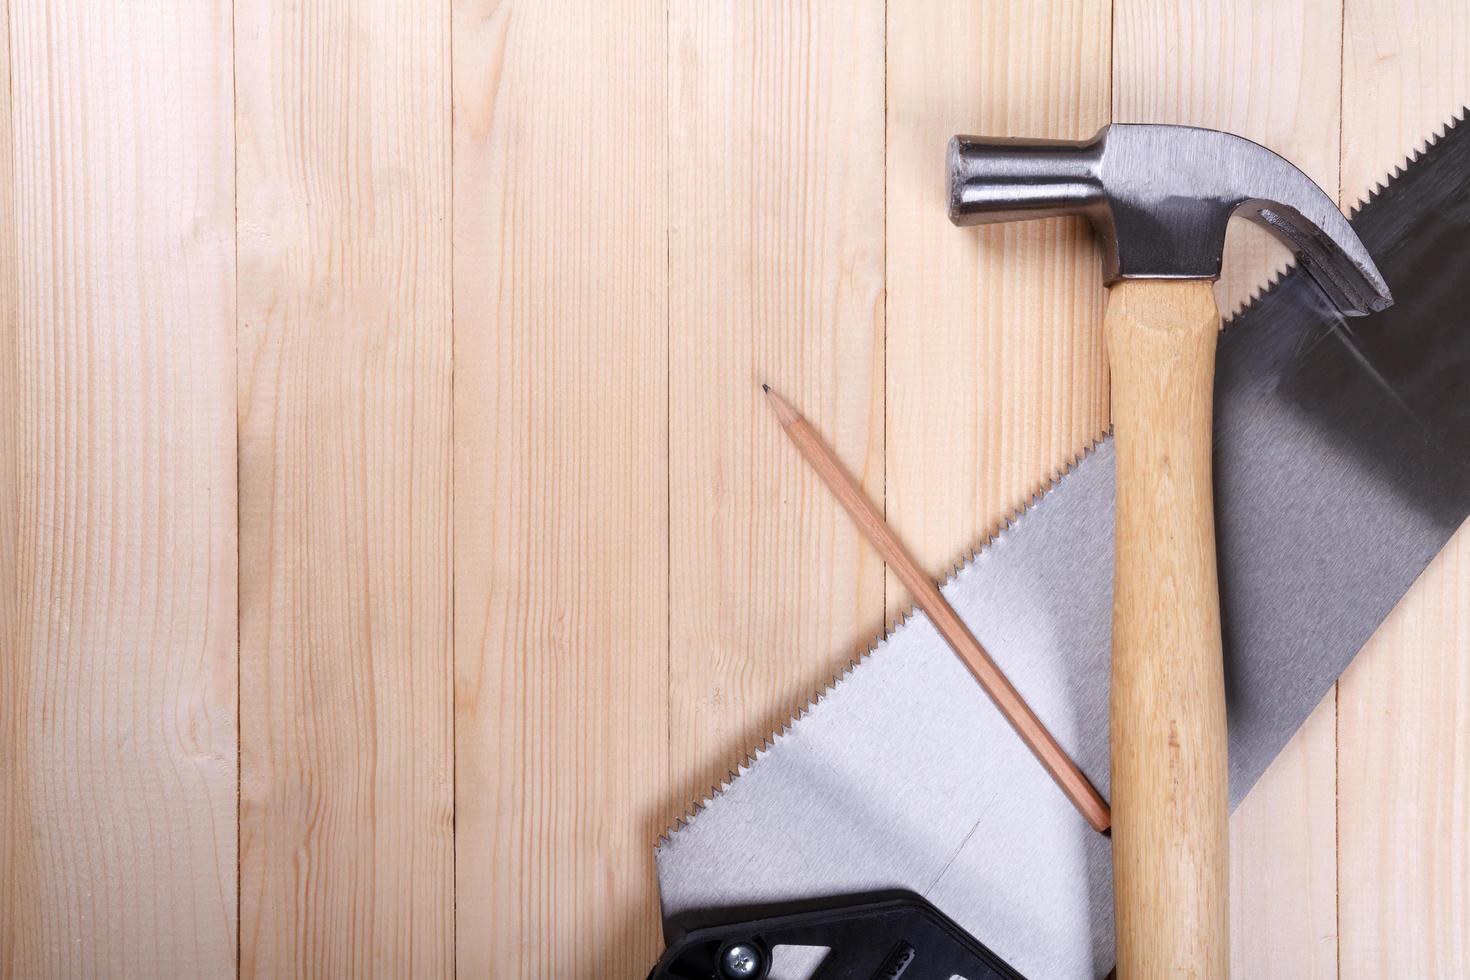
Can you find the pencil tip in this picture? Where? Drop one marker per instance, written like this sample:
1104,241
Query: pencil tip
783,408
765,387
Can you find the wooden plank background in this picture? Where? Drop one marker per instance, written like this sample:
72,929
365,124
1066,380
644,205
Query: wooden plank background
118,698
346,759
392,537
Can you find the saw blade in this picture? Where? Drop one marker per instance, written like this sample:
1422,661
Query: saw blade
1342,466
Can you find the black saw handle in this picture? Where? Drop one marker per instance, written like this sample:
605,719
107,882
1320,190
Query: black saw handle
869,937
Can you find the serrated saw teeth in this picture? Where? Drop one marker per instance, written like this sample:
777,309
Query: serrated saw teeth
1427,149
1435,139
1259,296
874,793
805,708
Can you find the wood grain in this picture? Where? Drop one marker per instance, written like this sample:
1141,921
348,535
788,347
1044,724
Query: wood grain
1269,72
18,930
117,496
995,370
1404,808
561,482
1170,789
633,213
1403,799
344,398
775,274
1283,860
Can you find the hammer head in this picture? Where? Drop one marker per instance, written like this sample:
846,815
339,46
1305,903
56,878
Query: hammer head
1160,197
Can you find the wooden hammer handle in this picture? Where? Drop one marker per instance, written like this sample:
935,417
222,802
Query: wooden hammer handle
1169,776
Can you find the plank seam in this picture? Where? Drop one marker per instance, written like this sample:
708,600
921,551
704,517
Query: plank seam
453,552
884,577
668,408
1337,684
239,700
1337,828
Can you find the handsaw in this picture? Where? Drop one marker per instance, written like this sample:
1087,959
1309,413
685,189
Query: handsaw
1342,467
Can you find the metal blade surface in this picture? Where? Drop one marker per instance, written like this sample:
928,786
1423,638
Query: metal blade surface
1342,467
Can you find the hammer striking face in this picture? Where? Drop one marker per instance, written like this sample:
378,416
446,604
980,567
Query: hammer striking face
1160,197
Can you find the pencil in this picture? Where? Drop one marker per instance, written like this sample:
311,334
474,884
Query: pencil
870,522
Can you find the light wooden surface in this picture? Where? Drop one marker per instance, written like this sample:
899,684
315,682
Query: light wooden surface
775,263
1170,789
995,371
117,563
1404,704
561,485
523,564
346,789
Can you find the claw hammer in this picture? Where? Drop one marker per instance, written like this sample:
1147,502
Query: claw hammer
1159,198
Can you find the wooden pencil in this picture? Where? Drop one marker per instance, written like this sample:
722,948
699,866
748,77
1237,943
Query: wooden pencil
870,522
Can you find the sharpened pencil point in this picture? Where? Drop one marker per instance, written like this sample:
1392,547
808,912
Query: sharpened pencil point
766,388
784,412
